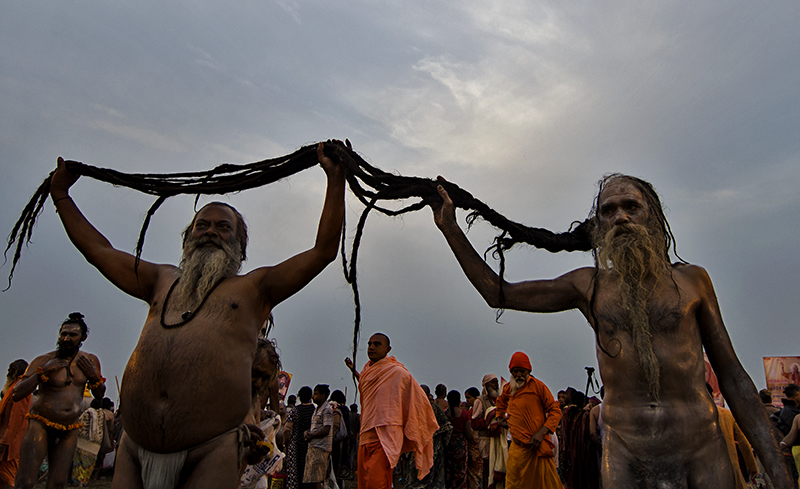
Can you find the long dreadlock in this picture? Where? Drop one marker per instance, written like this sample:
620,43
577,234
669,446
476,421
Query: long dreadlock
368,183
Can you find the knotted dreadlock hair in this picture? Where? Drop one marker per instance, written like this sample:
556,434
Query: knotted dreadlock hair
77,318
369,184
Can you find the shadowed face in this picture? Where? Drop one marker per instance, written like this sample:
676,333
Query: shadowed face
69,339
378,347
470,399
318,397
621,203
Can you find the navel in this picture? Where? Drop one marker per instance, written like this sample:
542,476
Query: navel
234,305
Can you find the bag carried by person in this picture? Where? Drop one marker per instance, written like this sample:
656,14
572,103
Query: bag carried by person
342,433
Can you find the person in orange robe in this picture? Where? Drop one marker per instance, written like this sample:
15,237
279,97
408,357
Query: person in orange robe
532,414
396,417
13,424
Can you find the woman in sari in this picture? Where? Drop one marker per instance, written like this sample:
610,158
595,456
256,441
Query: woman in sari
297,423
456,453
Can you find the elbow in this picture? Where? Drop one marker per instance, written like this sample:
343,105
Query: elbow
493,299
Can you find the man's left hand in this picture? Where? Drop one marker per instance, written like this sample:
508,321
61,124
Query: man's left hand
88,368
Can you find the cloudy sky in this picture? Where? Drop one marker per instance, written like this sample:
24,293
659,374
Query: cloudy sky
524,104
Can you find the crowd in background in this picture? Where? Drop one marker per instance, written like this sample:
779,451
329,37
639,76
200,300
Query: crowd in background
470,446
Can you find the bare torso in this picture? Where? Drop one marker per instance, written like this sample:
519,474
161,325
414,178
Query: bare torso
675,435
188,384
59,399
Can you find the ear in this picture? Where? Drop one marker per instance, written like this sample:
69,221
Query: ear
388,349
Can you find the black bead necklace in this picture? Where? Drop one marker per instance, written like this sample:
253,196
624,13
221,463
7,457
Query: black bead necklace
188,315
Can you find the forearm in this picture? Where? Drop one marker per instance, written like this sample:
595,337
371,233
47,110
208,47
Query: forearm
320,433
753,421
478,272
330,222
25,387
86,238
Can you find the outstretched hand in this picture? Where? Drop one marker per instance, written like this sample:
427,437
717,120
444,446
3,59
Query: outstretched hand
446,212
332,168
62,180
349,363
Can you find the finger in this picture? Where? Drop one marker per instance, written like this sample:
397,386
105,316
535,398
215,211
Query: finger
347,143
320,151
443,193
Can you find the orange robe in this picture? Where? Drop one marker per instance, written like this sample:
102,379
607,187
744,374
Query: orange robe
395,412
733,434
13,425
528,409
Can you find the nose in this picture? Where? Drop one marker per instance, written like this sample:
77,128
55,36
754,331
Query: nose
621,217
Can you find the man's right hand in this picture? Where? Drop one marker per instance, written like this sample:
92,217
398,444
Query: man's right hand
446,212
54,364
61,180
349,363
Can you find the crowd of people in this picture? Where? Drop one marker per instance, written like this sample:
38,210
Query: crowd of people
511,433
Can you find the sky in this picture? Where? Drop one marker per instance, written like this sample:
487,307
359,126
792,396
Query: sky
524,104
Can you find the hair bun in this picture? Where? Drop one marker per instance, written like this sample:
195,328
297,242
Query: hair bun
76,316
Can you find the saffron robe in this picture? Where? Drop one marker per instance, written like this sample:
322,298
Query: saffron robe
396,410
528,409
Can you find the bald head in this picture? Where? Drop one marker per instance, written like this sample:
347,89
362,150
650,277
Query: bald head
378,347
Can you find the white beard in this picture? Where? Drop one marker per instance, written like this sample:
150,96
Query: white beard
516,385
202,268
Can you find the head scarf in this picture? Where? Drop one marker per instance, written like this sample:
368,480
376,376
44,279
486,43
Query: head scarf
519,360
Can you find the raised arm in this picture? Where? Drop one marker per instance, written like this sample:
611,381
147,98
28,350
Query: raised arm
735,384
117,266
283,280
568,291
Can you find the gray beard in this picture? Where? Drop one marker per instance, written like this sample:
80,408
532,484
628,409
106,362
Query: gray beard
492,393
516,385
634,258
202,269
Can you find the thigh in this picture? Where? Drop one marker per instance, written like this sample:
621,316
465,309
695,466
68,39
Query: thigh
60,454
214,465
127,468
31,453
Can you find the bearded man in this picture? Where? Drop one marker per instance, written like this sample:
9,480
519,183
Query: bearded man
61,377
482,417
187,386
531,413
652,320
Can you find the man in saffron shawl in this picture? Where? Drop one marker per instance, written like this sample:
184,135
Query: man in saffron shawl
652,321
60,377
532,415
396,417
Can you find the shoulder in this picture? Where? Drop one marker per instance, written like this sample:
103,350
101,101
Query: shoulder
40,360
90,356
580,278
692,272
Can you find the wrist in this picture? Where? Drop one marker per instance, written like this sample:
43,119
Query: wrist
57,194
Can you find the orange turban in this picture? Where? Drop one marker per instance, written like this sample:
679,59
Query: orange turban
520,360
